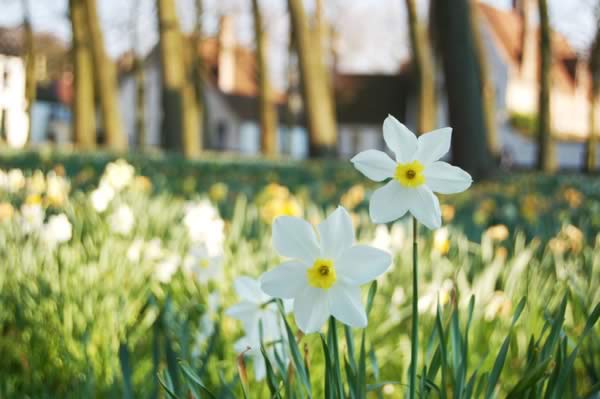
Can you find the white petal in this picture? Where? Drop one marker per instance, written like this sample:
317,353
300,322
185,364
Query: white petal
248,289
376,165
346,305
434,145
245,311
444,178
361,264
260,367
388,203
311,309
285,281
425,206
399,139
336,233
295,238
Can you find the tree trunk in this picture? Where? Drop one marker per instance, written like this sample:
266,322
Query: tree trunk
488,91
198,72
30,78
546,158
105,72
423,69
84,112
318,101
181,123
455,42
594,66
267,107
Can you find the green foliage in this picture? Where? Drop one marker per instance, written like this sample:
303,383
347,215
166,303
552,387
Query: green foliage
512,316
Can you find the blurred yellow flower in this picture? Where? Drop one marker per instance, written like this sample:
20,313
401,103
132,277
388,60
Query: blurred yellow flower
276,200
531,206
57,189
498,232
354,196
218,192
570,238
448,212
441,243
485,210
142,183
6,211
573,197
33,199
37,183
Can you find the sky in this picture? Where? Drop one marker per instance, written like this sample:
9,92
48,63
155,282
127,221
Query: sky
358,25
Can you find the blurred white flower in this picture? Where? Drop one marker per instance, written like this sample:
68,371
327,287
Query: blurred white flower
57,188
251,311
102,196
201,265
57,230
441,242
499,304
118,174
415,175
121,220
383,238
207,323
134,252
32,217
145,250
153,249
204,225
14,180
166,268
436,293
323,278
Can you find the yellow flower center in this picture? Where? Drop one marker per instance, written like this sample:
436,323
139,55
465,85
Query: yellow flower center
204,263
321,274
410,174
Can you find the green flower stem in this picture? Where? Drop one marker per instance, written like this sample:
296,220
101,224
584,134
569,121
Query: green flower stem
414,344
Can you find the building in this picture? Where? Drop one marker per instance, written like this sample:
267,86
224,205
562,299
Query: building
512,49
50,112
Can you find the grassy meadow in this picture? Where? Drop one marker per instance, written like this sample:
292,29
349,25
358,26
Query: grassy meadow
117,276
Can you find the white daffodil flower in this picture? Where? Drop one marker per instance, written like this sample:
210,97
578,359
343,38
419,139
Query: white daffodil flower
122,220
325,274
201,264
254,308
57,230
415,175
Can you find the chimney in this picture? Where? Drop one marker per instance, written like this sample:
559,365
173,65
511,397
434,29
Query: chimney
226,72
529,38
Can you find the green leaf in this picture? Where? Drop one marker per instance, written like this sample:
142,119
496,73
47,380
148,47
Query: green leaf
329,384
295,352
189,373
501,358
530,379
167,384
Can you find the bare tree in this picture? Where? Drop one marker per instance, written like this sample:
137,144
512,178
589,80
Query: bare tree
198,68
422,63
267,108
317,94
546,158
454,40
84,118
488,91
594,67
139,79
181,122
106,82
